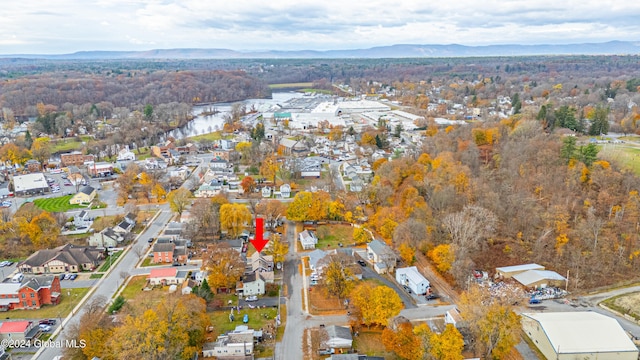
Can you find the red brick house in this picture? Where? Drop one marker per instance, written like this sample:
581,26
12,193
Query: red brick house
163,253
75,158
31,293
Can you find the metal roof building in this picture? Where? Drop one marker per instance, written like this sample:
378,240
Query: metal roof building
508,271
578,335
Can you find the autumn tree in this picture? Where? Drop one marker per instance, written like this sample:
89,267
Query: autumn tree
225,266
279,248
447,345
248,184
337,278
298,209
41,149
12,154
442,256
205,220
269,168
407,253
233,218
271,210
375,304
179,199
403,342
492,322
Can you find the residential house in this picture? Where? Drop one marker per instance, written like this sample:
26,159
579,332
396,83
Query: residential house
18,330
235,345
164,151
65,258
290,147
219,163
181,173
266,192
126,155
308,239
163,253
454,318
356,185
33,166
252,284
188,149
310,167
84,196
258,262
106,238
82,219
124,227
75,158
285,191
413,279
166,276
338,337
222,154
353,357
31,293
383,258
314,260
210,189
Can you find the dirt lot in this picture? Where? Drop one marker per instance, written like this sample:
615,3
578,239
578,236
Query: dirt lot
627,304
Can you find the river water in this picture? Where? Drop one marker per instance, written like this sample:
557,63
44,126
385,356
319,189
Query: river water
204,124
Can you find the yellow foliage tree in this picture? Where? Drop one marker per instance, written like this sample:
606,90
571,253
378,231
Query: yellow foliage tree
407,253
443,256
360,235
376,304
403,342
225,266
179,199
158,192
269,168
298,209
368,139
234,217
448,345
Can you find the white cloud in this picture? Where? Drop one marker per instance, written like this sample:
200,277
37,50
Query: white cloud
72,25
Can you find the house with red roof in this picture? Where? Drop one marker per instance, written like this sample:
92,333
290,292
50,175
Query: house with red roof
167,276
31,293
18,330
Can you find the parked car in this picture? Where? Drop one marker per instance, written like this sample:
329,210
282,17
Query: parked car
73,276
4,263
431,296
45,327
534,301
47,322
362,262
251,298
67,276
245,319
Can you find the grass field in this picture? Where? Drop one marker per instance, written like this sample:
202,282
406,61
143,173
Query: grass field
370,343
625,304
67,303
301,85
624,156
329,236
319,91
213,136
134,287
58,204
70,144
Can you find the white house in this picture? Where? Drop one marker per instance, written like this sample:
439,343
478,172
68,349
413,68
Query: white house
308,240
411,278
253,284
237,344
266,192
382,257
126,155
285,191
82,219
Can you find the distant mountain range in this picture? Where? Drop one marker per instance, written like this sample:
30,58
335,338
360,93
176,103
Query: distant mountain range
392,51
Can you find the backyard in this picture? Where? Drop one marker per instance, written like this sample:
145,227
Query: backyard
330,236
57,204
69,298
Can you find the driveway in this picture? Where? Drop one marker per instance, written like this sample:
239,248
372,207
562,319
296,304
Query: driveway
369,273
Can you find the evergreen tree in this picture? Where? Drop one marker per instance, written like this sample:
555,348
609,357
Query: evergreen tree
28,140
600,122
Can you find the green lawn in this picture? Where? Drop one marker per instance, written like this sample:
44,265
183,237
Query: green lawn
147,262
109,260
68,300
212,136
134,287
291,85
330,235
66,145
58,204
623,155
220,319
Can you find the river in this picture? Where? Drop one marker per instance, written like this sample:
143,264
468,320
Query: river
204,124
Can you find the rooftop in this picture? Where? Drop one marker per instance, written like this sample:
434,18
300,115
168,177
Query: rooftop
583,332
14,326
166,272
523,267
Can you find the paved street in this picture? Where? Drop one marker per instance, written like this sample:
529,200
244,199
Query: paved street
108,285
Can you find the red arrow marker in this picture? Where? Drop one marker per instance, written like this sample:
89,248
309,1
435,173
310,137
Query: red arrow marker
259,242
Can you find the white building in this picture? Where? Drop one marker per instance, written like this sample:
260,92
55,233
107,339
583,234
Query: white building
308,240
581,335
285,191
411,278
30,184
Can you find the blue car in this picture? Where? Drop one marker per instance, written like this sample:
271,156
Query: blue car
534,301
245,319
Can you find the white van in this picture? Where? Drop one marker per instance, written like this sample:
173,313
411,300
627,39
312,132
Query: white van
17,278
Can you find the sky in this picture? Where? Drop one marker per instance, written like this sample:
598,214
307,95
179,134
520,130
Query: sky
66,26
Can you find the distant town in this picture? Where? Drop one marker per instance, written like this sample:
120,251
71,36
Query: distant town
443,209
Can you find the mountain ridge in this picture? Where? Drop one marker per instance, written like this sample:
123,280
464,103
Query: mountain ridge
391,51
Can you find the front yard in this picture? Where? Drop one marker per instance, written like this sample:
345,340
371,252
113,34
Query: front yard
109,261
69,298
57,204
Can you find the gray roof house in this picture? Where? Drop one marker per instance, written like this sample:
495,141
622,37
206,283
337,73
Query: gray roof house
380,254
308,239
338,337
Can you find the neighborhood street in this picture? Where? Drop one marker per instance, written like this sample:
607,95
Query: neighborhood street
108,285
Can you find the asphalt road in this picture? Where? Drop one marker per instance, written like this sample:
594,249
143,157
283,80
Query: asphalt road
109,284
